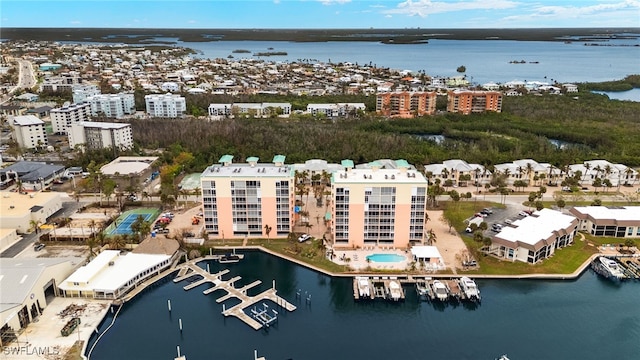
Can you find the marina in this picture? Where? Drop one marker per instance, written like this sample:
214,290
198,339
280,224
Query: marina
257,319
422,326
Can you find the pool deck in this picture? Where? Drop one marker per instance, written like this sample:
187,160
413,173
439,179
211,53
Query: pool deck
358,259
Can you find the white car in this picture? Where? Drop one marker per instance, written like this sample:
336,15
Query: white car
304,237
522,213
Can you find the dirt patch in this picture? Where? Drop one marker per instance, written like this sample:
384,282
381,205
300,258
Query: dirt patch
449,243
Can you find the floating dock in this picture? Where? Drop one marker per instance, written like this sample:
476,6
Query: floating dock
255,321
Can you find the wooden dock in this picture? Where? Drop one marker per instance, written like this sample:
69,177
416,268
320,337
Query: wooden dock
233,292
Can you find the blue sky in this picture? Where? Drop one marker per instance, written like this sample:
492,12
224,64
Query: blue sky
320,13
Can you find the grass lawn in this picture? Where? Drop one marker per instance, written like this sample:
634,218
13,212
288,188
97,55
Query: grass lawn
309,252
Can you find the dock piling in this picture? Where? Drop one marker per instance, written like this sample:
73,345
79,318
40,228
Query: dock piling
180,324
169,304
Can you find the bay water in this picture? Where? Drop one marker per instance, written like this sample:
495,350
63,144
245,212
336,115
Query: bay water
587,318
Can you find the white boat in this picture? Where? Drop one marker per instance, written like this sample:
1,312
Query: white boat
363,287
610,268
440,290
395,291
470,289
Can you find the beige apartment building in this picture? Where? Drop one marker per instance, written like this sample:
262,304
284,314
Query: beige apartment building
378,207
468,101
406,104
245,199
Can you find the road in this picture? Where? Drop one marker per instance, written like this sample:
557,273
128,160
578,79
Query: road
26,79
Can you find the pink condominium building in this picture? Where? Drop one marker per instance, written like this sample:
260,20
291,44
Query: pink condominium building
375,206
244,200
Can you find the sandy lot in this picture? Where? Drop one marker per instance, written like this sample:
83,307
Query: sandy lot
42,339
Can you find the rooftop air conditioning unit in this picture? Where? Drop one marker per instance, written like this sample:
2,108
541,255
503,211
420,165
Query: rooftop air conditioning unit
111,263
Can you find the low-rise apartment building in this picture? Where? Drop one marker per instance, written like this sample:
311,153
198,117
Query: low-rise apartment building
406,103
244,200
63,118
82,92
165,105
101,135
29,132
534,238
468,101
616,221
335,110
376,207
251,109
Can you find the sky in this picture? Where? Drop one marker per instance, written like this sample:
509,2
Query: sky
275,14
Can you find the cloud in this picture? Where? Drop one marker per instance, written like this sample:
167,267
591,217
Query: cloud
334,2
424,8
611,12
388,16
191,22
75,22
276,2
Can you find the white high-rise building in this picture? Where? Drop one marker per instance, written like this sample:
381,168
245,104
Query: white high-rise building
101,135
82,92
29,132
112,105
62,118
167,105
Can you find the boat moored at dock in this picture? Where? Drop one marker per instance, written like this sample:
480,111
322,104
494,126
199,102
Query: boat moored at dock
608,268
440,290
470,289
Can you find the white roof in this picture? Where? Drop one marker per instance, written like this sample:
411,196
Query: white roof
423,252
101,276
379,176
540,226
619,213
103,125
26,120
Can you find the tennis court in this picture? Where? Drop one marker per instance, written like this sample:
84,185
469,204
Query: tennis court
122,225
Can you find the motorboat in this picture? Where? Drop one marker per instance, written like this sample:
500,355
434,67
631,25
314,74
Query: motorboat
440,290
470,289
230,258
608,268
395,291
422,289
364,290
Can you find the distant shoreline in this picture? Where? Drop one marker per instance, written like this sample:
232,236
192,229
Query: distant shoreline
388,36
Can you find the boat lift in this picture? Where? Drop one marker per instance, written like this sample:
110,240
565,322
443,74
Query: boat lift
263,316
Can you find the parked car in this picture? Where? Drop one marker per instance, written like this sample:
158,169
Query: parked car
304,237
487,210
38,247
496,227
481,215
523,214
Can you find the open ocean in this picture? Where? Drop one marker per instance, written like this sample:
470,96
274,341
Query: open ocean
589,318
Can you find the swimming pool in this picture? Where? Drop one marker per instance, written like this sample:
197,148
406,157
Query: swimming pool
386,258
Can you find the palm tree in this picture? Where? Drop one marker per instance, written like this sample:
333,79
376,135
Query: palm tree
267,230
145,195
529,170
445,174
477,171
91,243
92,225
431,237
587,167
34,224
117,242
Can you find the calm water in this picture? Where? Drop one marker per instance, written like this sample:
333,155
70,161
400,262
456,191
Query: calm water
585,319
484,60
629,95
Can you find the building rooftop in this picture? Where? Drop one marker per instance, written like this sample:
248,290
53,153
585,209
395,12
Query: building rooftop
103,125
18,276
619,213
247,170
26,120
127,165
109,270
13,204
375,175
532,230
